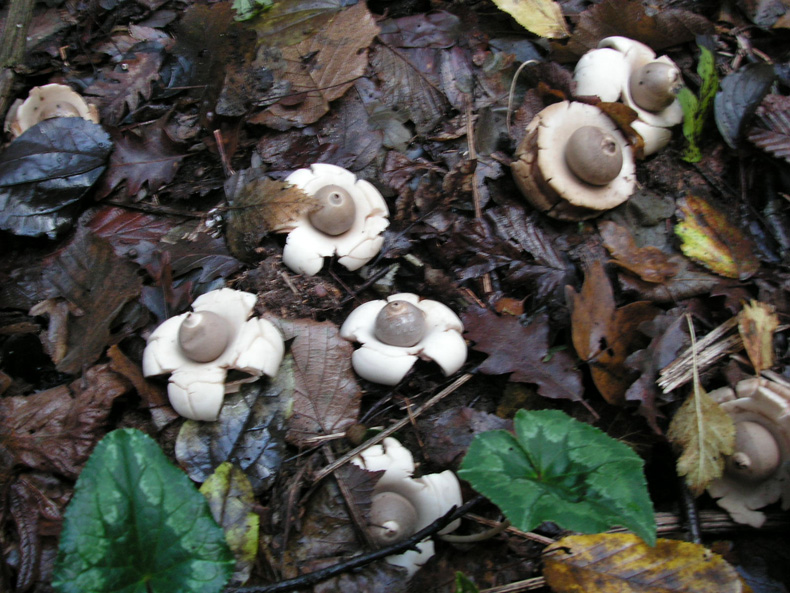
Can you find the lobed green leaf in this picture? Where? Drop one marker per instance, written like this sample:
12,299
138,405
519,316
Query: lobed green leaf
558,469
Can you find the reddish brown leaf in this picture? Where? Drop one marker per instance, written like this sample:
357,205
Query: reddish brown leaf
149,159
603,335
649,263
522,351
97,284
447,435
121,88
55,430
664,28
771,129
326,395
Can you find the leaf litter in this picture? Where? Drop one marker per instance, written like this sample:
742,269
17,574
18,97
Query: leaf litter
412,145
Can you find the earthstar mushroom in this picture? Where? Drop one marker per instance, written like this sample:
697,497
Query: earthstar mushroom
347,220
402,505
46,102
573,162
758,472
198,349
394,333
622,69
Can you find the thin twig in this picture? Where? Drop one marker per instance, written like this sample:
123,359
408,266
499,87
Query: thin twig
525,585
470,142
394,428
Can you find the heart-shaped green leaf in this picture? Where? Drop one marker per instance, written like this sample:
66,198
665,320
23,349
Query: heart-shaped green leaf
558,469
137,524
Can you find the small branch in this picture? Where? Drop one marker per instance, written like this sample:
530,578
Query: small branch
311,578
394,428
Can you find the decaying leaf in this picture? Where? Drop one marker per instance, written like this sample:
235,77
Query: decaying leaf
703,432
55,430
147,158
326,394
696,108
709,238
541,17
756,323
97,283
740,95
522,351
248,432
771,130
231,501
260,206
319,69
649,263
623,563
603,335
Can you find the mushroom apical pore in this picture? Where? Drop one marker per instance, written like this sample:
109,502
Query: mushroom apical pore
756,455
594,155
336,210
655,86
203,336
393,518
400,323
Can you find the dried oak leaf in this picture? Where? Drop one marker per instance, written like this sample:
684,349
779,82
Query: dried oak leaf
150,158
649,263
604,335
122,87
771,129
708,237
55,430
665,28
522,351
97,284
326,394
319,69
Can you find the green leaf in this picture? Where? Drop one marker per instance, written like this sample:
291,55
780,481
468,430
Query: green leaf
464,585
137,524
697,109
230,497
248,9
558,469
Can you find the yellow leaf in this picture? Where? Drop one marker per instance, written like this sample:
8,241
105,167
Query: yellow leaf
709,238
623,563
541,17
704,432
756,324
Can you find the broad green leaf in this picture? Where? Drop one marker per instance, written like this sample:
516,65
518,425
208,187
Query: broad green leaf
697,108
136,524
464,585
248,9
709,238
541,17
621,563
230,498
558,469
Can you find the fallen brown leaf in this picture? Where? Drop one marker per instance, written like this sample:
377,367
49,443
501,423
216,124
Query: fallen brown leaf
756,323
649,263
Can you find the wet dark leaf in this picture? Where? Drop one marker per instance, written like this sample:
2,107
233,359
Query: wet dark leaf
771,130
649,263
523,351
446,436
740,94
289,22
327,396
603,335
438,30
249,432
122,87
149,158
664,28
97,284
55,430
45,171
764,13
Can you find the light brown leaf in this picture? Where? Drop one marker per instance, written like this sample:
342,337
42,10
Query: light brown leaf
756,323
541,17
649,263
623,563
319,69
326,394
703,432
603,336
